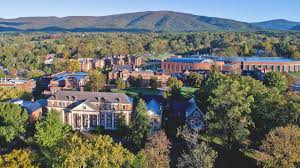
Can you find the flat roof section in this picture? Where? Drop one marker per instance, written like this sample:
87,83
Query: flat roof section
256,59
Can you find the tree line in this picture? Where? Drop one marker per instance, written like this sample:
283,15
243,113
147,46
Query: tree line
29,51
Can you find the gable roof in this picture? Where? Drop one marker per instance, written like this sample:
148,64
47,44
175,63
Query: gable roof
153,107
88,104
92,96
191,107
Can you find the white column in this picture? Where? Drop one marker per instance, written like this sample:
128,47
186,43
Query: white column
88,121
113,120
73,118
97,119
105,120
81,122
63,116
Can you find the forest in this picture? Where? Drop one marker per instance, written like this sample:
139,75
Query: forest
28,51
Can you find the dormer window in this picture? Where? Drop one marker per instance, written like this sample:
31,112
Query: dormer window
102,100
74,98
68,97
117,100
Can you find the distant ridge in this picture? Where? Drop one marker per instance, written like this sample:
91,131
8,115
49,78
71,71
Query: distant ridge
137,22
278,24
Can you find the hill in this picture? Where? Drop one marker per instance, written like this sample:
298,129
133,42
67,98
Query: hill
139,21
278,24
296,27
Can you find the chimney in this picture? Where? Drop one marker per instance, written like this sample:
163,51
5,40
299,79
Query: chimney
81,88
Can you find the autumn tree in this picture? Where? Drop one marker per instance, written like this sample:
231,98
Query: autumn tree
17,158
7,94
99,151
283,147
194,79
120,84
154,84
139,128
157,150
97,81
73,65
174,86
13,121
50,130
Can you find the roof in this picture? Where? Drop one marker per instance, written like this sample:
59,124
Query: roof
65,75
92,96
191,107
153,107
257,59
189,60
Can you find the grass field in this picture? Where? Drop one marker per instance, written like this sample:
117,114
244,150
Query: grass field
135,91
187,91
160,56
296,75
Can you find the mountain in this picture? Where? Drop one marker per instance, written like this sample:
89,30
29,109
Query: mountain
278,24
296,27
139,21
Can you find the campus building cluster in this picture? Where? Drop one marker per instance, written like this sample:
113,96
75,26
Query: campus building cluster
231,64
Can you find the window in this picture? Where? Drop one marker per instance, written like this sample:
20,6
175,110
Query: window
109,120
102,119
278,68
124,107
84,107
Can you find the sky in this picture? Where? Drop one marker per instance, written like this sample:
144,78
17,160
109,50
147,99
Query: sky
242,10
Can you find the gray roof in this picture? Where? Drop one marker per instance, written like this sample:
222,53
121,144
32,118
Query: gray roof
92,96
191,107
154,107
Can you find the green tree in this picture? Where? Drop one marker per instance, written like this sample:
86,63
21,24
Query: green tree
120,84
99,151
139,128
13,121
2,75
157,150
17,159
197,154
229,113
175,86
50,130
35,74
283,146
97,81
7,94
194,79
275,79
154,84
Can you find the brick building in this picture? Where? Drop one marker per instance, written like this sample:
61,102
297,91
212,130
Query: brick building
86,110
21,84
87,64
231,64
63,81
178,65
275,64
124,74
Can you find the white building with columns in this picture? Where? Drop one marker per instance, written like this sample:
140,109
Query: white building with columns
86,110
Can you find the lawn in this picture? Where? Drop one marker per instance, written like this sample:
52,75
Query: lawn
160,56
187,91
133,92
295,75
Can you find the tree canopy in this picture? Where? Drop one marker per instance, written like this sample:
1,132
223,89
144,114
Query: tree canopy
13,121
50,130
